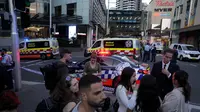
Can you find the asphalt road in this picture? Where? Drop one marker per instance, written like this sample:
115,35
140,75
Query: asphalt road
31,73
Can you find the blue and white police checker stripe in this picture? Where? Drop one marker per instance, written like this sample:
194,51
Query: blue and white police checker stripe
106,74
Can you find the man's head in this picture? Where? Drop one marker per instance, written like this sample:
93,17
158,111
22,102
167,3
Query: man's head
66,54
4,51
91,90
167,55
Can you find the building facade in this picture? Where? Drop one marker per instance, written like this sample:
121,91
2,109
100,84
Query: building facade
160,15
186,22
125,23
128,5
88,17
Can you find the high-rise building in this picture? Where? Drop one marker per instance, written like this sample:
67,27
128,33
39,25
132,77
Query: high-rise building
128,5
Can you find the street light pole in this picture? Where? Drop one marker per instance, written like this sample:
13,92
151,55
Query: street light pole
107,25
15,48
50,18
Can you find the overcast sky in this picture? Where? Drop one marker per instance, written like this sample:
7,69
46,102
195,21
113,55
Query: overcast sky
113,2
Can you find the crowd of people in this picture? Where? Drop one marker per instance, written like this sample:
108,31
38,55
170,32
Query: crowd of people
166,89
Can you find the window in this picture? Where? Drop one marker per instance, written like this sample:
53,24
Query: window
71,9
97,44
181,9
58,10
175,46
179,48
21,45
43,44
116,62
118,44
107,61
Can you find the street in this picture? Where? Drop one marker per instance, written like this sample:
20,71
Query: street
33,84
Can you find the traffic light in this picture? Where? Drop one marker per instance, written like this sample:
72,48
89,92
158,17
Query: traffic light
25,19
24,7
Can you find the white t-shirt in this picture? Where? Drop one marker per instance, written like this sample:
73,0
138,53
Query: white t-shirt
125,101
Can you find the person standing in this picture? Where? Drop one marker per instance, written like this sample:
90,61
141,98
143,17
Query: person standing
92,67
163,71
8,63
175,55
148,99
126,90
146,52
153,54
91,93
177,100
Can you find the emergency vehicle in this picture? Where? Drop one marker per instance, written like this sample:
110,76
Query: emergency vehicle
39,48
120,46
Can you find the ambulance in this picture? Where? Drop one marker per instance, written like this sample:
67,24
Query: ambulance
42,48
120,46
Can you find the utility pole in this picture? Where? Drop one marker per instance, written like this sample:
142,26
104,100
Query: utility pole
15,48
50,19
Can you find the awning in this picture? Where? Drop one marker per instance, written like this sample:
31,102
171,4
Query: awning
187,29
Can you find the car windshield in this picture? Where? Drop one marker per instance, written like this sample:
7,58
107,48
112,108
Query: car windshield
189,48
125,58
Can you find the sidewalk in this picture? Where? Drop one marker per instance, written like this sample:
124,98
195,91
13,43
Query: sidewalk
30,96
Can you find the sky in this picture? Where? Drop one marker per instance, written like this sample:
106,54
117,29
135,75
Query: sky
113,3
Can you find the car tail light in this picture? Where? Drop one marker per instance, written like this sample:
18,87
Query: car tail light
134,51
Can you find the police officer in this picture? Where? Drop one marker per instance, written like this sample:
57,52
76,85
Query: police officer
8,63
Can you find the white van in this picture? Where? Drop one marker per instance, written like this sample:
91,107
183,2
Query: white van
186,51
121,46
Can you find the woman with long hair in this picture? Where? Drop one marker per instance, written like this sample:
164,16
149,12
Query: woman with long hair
125,95
177,99
65,92
147,97
92,67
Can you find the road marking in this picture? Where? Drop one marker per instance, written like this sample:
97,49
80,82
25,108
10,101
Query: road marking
193,65
32,71
31,61
31,83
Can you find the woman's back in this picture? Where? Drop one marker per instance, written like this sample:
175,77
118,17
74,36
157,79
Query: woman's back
175,101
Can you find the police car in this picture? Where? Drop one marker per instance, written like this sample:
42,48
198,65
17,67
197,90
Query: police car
111,66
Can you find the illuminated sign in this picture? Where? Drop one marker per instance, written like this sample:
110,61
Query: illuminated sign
167,3
163,9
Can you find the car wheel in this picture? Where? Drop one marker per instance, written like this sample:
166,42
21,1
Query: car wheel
43,56
181,58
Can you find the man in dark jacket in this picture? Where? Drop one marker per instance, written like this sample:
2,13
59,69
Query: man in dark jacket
175,55
163,72
153,53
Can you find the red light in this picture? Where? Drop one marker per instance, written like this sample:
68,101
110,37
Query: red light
104,52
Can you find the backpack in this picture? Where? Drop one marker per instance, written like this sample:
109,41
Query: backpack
47,105
50,74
